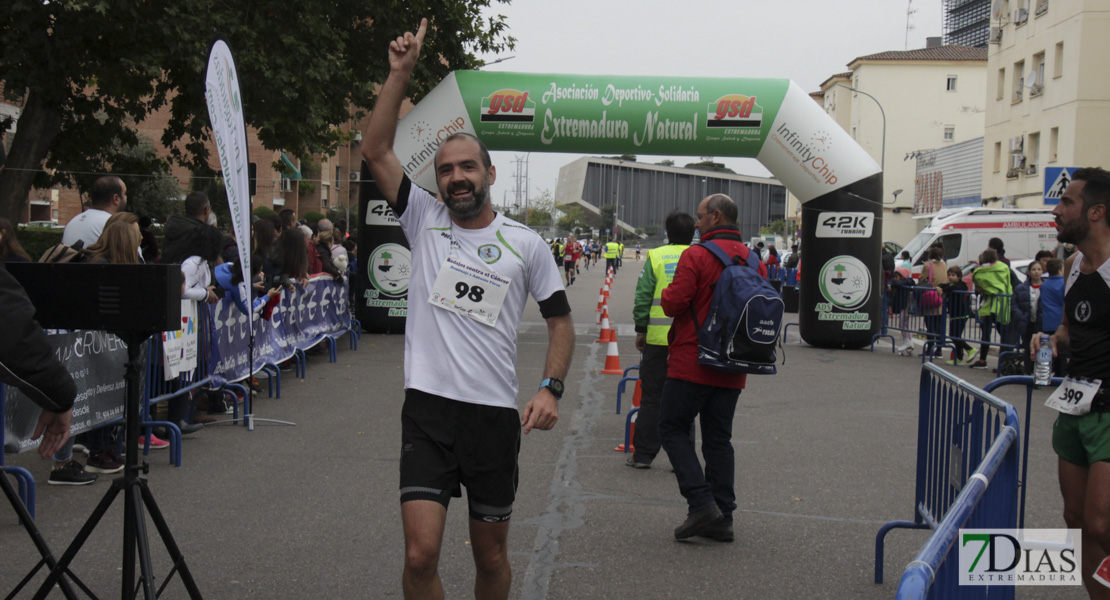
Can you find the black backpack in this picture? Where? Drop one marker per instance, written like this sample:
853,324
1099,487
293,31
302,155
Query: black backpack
745,317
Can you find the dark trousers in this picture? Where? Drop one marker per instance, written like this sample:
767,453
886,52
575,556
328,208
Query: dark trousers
986,322
653,372
956,330
611,263
682,402
934,325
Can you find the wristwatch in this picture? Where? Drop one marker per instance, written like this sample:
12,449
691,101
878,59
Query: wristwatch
555,385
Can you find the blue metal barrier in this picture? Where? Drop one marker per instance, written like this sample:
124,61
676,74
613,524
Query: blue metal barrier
627,446
946,329
961,430
1026,381
23,477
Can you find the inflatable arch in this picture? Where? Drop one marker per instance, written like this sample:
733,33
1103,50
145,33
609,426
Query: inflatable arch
772,120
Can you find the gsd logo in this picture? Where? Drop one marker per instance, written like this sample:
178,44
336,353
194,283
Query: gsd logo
508,106
734,110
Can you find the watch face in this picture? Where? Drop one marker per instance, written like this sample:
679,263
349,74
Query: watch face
556,387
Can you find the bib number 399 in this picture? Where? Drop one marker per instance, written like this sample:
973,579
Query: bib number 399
1074,396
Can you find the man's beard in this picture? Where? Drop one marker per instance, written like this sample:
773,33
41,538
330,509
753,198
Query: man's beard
1073,233
465,210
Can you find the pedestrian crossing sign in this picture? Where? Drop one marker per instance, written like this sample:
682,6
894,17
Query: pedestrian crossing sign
1056,180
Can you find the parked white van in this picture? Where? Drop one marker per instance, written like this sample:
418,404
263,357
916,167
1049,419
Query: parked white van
964,234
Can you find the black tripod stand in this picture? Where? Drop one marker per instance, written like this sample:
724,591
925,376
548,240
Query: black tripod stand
36,538
136,495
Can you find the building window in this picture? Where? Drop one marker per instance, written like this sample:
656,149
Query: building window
949,133
1033,153
997,156
1036,86
1001,83
1053,143
338,177
1019,80
951,87
1058,60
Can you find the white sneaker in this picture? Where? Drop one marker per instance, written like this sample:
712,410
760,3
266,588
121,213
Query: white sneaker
905,347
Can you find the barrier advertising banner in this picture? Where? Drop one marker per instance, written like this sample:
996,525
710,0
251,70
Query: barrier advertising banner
95,360
302,319
772,120
179,348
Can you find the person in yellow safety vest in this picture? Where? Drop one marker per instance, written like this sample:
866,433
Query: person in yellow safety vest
620,255
557,251
652,328
611,249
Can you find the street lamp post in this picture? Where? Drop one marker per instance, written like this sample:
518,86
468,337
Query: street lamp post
882,158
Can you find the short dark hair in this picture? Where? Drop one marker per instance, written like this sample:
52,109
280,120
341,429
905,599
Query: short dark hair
724,204
997,244
680,228
487,162
103,189
1096,190
989,255
1054,266
936,253
195,203
1043,254
288,218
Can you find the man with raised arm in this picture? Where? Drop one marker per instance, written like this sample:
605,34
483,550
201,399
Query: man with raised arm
473,270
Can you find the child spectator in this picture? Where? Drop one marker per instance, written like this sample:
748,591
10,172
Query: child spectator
898,294
956,302
992,282
1028,315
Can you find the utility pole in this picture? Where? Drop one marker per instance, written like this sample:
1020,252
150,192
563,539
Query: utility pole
910,10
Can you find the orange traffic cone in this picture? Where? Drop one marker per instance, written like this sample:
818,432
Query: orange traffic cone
636,394
605,331
604,313
612,360
605,289
600,298
631,436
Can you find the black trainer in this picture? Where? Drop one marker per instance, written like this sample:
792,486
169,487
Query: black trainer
722,532
71,473
698,522
635,464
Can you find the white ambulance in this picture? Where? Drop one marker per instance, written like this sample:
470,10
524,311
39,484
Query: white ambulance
964,233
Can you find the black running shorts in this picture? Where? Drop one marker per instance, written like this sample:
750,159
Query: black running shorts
446,444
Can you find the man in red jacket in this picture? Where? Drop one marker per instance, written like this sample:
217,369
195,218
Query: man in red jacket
692,390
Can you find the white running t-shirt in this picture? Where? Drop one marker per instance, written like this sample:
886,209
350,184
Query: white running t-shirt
448,354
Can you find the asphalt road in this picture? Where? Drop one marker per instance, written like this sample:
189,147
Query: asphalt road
824,451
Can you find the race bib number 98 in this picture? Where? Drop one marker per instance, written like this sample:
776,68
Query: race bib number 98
469,291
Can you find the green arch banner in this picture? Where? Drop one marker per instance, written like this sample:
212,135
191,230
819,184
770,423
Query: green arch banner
771,120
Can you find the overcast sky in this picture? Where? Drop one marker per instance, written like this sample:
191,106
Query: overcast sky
803,40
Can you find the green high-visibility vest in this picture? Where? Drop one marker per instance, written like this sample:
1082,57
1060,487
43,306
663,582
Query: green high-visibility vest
664,260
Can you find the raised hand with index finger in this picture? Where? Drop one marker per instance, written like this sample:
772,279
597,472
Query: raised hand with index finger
404,51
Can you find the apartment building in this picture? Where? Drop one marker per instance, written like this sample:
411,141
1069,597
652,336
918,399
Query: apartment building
1048,95
897,102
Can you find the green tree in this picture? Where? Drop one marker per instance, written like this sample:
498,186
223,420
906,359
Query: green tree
707,164
156,193
574,218
86,70
777,227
